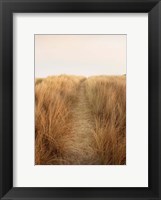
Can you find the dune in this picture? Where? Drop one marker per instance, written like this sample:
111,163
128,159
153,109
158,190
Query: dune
80,121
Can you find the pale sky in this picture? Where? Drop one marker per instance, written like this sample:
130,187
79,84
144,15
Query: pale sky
80,55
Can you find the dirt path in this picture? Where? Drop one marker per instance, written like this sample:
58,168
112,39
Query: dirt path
82,128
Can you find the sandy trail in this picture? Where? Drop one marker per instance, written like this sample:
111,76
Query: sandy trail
82,128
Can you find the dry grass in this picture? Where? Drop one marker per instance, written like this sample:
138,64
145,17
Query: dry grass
107,98
38,80
56,99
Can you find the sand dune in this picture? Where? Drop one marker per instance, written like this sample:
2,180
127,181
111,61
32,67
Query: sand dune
80,121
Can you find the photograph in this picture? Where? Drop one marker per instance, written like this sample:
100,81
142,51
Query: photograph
80,99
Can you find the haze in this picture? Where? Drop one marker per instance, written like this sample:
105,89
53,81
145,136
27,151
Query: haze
80,55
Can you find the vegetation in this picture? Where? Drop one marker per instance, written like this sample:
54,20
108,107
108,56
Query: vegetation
80,120
107,98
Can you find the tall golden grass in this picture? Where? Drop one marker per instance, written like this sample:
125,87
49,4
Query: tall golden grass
55,99
107,99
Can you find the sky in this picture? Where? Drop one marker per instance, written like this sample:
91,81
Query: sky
85,55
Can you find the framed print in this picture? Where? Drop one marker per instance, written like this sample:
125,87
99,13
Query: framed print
80,99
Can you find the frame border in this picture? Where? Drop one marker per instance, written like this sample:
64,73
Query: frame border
7,8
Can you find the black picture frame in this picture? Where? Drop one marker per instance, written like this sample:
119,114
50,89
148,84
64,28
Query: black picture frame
7,8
